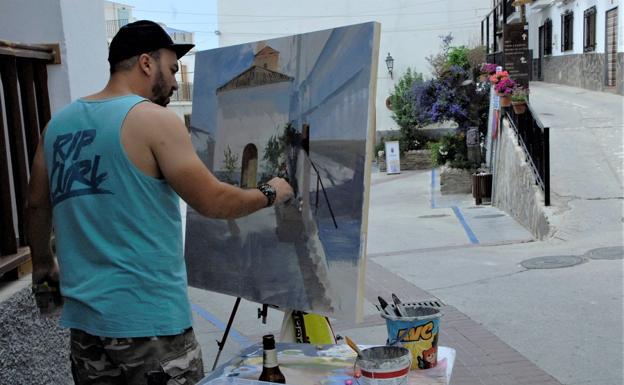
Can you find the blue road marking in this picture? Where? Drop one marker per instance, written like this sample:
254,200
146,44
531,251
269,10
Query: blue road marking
467,229
241,339
433,185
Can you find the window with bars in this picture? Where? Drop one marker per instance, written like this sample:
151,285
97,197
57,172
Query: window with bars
589,30
567,31
548,37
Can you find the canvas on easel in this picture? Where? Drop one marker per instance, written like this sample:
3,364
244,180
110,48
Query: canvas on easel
300,107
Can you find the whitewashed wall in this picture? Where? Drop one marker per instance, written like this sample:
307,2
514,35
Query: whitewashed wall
409,30
536,18
84,69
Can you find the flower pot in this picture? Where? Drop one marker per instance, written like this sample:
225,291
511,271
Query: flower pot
519,107
483,78
505,101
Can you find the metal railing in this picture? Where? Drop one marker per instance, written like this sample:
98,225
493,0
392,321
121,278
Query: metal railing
24,95
492,24
534,139
184,93
112,26
498,58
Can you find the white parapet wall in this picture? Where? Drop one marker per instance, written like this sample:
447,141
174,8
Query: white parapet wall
514,189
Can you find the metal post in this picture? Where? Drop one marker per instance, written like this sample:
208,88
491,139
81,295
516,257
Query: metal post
546,166
487,34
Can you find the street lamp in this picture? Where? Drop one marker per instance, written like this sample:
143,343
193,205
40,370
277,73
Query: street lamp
389,64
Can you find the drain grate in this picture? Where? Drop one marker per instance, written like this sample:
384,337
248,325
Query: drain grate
434,216
612,253
552,262
489,216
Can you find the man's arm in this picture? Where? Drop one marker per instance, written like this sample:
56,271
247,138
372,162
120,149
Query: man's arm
39,221
189,177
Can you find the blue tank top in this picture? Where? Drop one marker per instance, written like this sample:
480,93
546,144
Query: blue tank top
118,231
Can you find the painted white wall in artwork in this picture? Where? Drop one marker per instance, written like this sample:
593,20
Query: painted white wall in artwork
409,30
265,108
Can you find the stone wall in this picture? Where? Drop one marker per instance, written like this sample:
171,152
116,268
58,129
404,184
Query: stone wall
514,189
412,160
580,70
455,181
620,72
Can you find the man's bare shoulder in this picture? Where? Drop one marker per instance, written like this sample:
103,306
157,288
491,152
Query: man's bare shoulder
152,119
147,112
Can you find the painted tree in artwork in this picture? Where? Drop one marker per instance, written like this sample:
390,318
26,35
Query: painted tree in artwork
275,151
272,152
230,164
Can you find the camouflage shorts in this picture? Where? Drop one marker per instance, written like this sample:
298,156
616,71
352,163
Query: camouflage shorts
166,360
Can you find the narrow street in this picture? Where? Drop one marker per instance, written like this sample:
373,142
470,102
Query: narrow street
568,321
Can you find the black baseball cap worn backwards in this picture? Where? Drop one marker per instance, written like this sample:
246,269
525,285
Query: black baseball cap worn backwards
141,37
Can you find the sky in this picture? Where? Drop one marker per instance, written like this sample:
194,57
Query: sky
188,15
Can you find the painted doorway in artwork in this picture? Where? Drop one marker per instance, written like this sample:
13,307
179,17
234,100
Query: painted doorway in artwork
249,171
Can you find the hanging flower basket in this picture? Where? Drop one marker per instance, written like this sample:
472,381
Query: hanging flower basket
519,107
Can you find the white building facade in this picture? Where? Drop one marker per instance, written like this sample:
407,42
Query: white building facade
578,43
116,15
410,32
83,69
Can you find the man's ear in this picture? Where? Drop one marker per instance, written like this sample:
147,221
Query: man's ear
146,64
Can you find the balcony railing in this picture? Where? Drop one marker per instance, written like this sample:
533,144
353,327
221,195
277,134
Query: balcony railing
184,92
24,112
112,26
492,24
534,139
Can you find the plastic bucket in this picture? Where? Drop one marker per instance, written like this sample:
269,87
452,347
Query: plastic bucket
418,332
384,365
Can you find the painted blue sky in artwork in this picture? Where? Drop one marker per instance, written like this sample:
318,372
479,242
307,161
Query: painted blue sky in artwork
213,68
328,67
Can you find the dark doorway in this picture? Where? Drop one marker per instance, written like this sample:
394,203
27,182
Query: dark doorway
611,48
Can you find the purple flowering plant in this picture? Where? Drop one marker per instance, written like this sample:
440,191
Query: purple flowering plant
505,86
441,99
488,68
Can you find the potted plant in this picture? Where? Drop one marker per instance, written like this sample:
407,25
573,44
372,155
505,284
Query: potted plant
487,70
519,98
504,87
497,76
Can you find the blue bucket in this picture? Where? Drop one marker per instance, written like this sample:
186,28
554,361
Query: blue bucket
417,331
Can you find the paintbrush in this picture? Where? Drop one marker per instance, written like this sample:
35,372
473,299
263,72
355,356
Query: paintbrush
353,346
383,304
397,302
387,308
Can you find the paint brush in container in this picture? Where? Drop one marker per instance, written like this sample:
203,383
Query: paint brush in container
389,310
397,302
353,346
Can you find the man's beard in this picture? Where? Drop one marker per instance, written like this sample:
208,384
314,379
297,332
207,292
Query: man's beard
160,91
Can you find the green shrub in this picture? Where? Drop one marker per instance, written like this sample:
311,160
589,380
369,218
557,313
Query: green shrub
401,104
458,56
450,149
